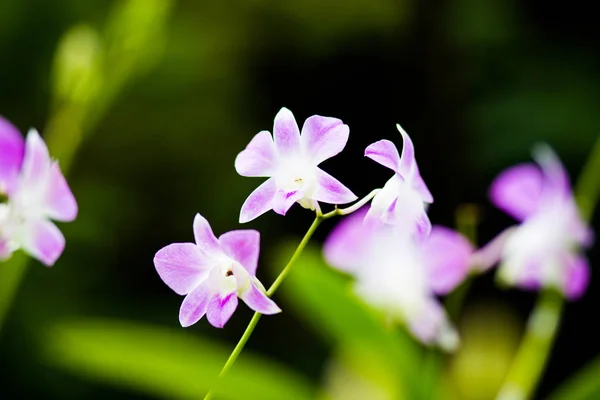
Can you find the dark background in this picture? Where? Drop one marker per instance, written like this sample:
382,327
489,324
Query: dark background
476,84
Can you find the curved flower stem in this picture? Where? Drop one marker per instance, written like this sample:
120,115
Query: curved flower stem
352,208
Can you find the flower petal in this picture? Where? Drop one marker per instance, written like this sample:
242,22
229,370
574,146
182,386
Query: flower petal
577,277
221,308
347,244
517,190
194,305
37,162
243,246
286,133
556,179
282,201
382,202
418,184
60,204
385,153
181,266
256,298
5,250
431,326
259,202
42,240
323,137
259,157
330,190
12,149
408,163
204,236
447,256
490,254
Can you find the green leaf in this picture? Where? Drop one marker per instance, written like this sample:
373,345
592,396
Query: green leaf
324,299
167,363
583,385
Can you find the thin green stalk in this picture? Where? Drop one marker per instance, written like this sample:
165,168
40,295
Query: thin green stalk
532,356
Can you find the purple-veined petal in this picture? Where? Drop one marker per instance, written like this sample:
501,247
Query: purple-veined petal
383,201
385,153
347,244
286,133
259,202
36,162
42,240
577,277
447,256
12,150
257,299
194,305
490,254
243,246
323,137
204,236
259,157
407,160
181,266
330,190
422,225
283,200
221,308
517,190
60,204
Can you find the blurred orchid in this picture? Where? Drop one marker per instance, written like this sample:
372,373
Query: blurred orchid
37,192
403,199
400,275
212,273
290,159
543,250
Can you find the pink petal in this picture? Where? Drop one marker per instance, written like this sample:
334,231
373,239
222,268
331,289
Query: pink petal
286,133
330,190
323,137
431,326
12,150
490,254
577,277
258,159
447,255
60,204
194,305
422,225
556,179
37,162
420,187
204,236
5,250
407,159
283,201
257,300
243,246
517,190
385,153
221,308
42,240
347,244
259,202
181,266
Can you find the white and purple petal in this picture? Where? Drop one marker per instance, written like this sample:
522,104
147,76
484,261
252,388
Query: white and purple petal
195,305
286,133
221,308
347,245
577,276
408,163
42,240
59,203
283,200
243,246
256,298
36,162
259,158
517,191
330,190
385,153
259,202
323,137
181,266
12,150
204,236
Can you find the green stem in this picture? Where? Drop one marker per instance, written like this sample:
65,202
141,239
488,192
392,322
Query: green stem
11,275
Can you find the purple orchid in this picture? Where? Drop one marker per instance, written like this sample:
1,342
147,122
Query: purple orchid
290,160
400,275
403,199
543,250
212,273
37,192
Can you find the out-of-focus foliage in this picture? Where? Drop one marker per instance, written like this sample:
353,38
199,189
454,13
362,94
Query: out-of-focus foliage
583,385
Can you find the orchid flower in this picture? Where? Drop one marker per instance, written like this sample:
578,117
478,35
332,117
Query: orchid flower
290,160
401,276
37,192
543,251
212,273
403,199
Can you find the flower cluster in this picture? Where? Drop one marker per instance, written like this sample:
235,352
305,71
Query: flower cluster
399,261
36,192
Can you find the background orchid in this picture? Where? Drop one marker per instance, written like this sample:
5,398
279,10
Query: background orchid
145,105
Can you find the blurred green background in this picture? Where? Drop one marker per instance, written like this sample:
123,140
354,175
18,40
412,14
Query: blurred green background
147,103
